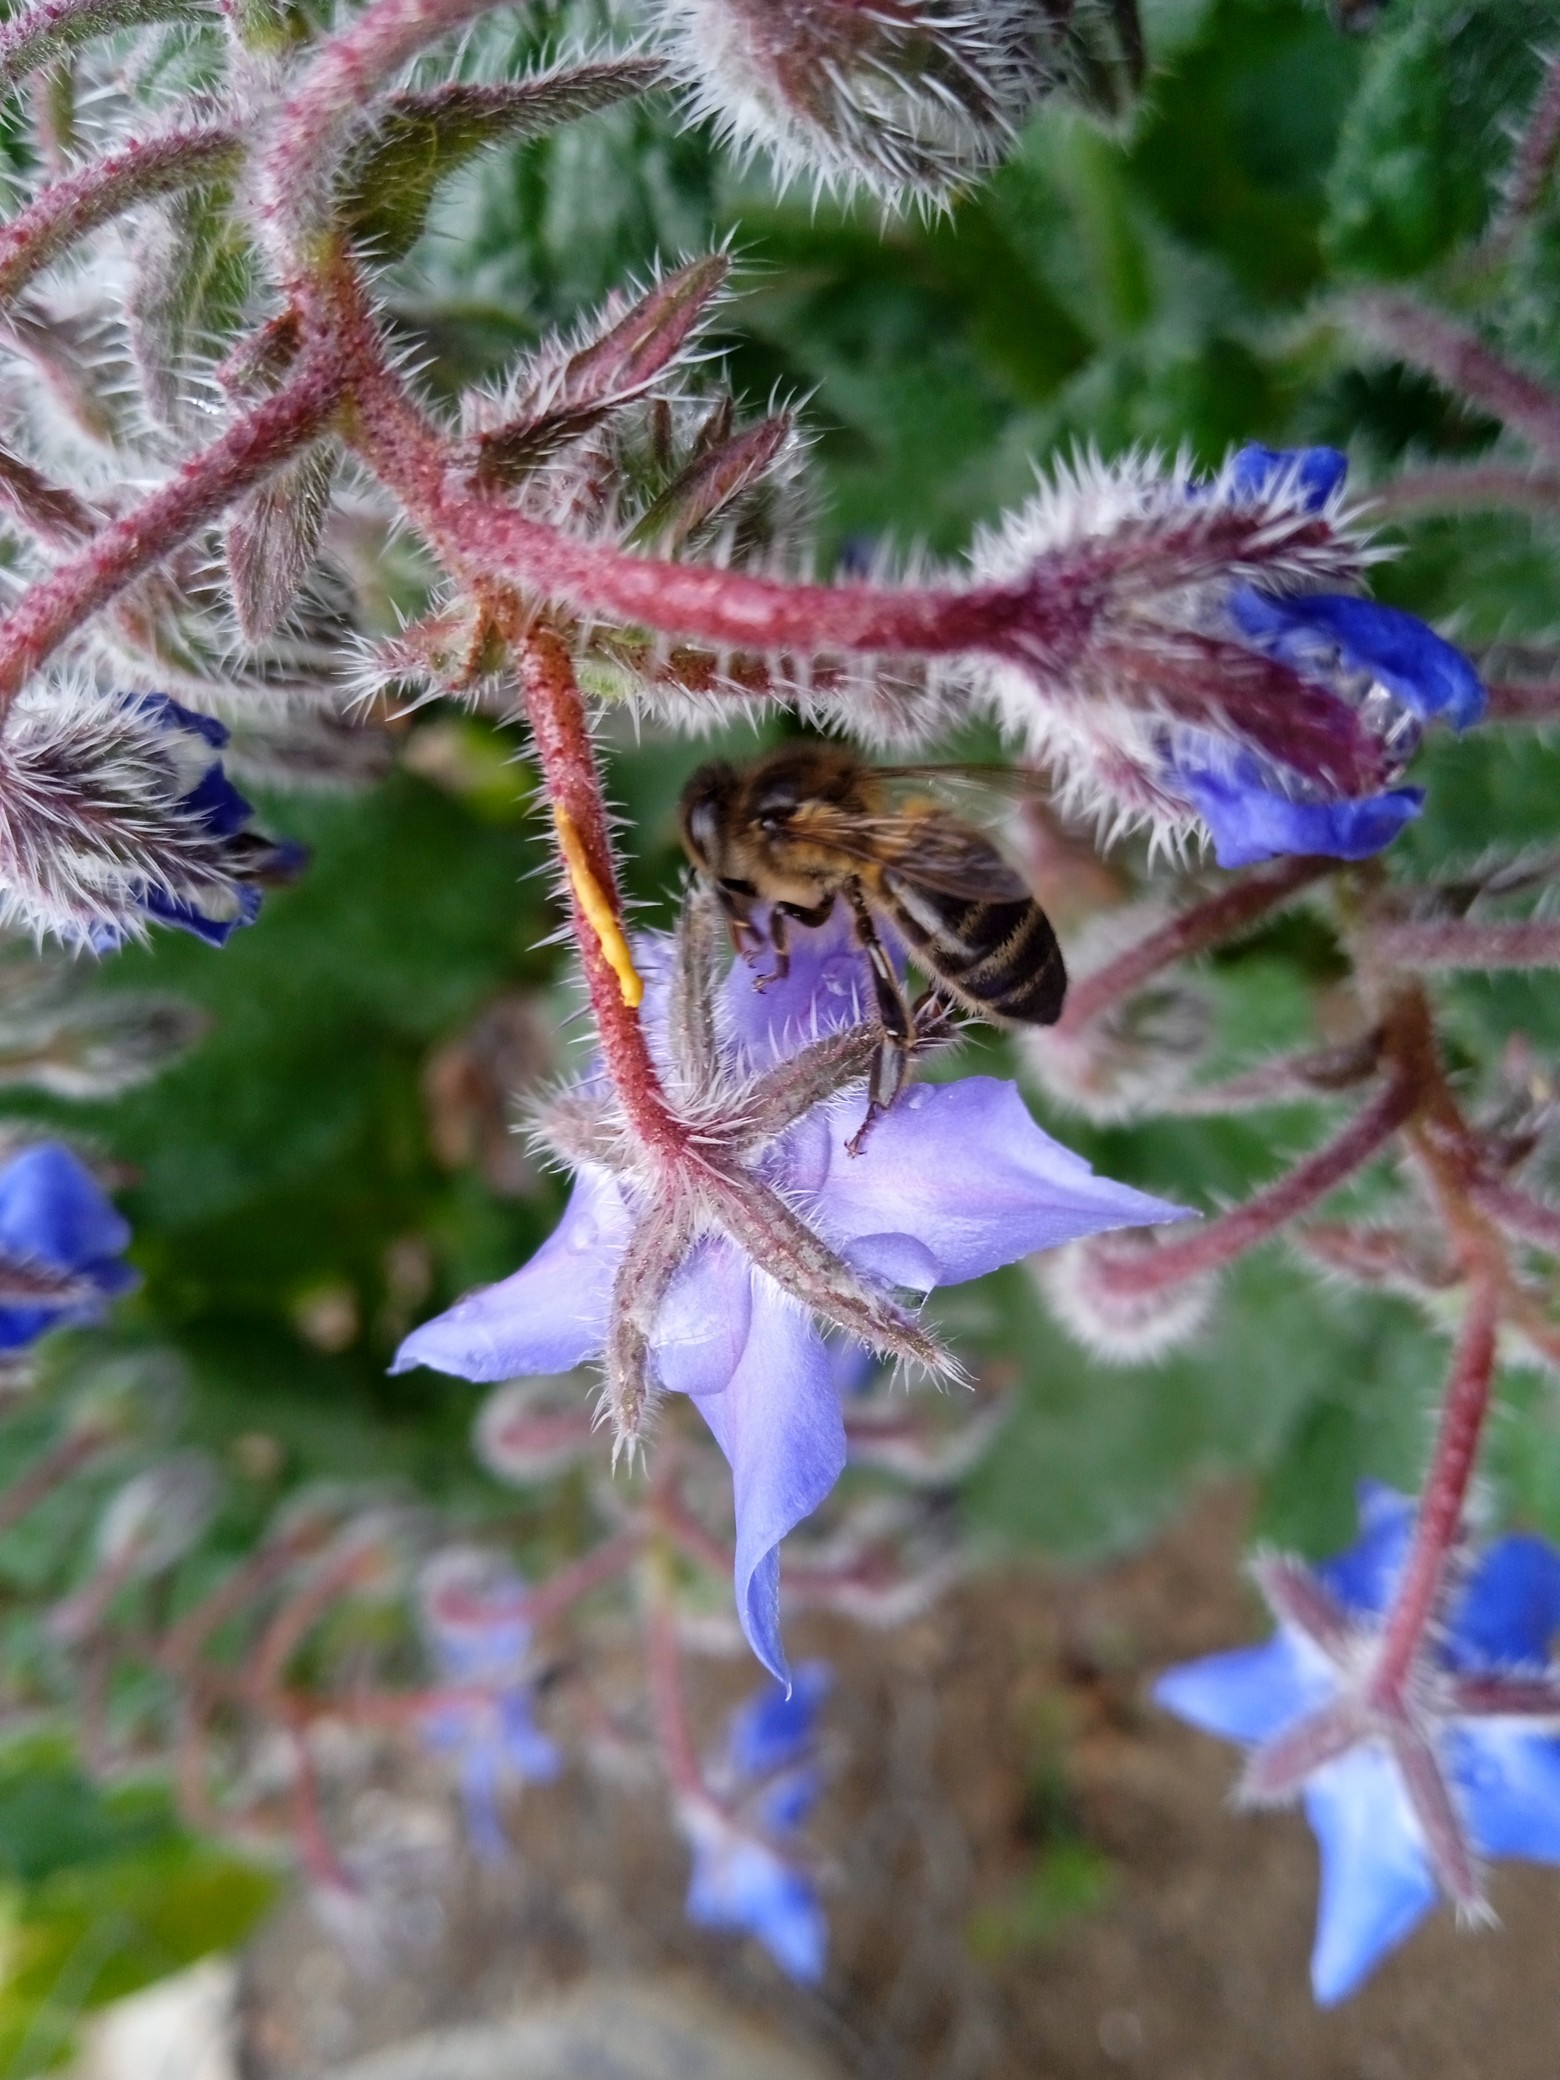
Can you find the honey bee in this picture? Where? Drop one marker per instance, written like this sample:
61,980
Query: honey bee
811,824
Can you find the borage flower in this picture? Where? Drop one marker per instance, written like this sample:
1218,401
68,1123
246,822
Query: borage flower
1405,1785
60,1245
1198,656
717,1277
764,1785
115,812
479,1638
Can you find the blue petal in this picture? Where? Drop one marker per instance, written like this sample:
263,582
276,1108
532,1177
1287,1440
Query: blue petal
1509,1780
545,1317
217,804
1249,821
778,1423
772,1729
702,1328
1365,1574
52,1208
215,930
785,1804
1425,672
1249,1694
172,714
1509,1609
957,1179
1310,475
1376,1881
743,1885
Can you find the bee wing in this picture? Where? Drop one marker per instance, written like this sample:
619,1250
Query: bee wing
925,849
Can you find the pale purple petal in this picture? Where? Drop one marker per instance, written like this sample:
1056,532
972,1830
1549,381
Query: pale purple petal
778,1422
1376,1880
956,1179
702,1329
547,1316
829,985
1251,1693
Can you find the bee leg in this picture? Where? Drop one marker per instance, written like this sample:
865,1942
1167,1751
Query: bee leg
781,917
891,1064
744,935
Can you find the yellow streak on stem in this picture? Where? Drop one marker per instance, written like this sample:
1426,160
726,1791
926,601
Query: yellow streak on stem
597,907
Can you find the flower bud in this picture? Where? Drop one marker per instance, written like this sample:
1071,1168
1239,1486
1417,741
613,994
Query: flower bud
114,812
534,1429
1188,656
1098,1305
907,99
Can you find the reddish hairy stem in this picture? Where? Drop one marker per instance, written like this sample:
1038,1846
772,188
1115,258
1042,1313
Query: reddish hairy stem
568,762
247,1581
482,535
68,209
663,1665
1209,923
1519,1212
1473,489
1461,362
1446,1489
301,1613
55,607
48,1473
1523,700
1465,942
333,100
588,1573
1138,1269
1536,155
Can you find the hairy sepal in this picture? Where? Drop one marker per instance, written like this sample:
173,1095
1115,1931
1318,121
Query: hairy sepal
272,540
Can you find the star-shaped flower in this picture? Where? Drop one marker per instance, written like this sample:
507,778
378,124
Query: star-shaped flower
1407,1783
716,1275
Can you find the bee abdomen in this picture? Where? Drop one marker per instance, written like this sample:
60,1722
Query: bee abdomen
1001,956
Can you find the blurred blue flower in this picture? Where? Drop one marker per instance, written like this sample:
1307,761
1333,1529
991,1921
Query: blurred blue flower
765,1784
955,1180
479,1638
60,1245
1393,672
1403,1798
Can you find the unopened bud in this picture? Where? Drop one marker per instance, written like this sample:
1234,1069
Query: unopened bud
908,100
1090,1291
534,1429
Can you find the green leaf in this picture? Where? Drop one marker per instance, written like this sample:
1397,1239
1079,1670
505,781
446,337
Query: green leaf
421,139
1428,132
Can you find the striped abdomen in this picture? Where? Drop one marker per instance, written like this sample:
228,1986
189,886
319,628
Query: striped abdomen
998,954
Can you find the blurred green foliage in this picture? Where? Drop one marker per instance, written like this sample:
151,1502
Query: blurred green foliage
1167,285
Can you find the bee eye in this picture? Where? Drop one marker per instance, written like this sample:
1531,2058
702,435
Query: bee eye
701,829
777,805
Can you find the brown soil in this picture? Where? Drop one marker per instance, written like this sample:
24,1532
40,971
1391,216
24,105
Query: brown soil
1000,1740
